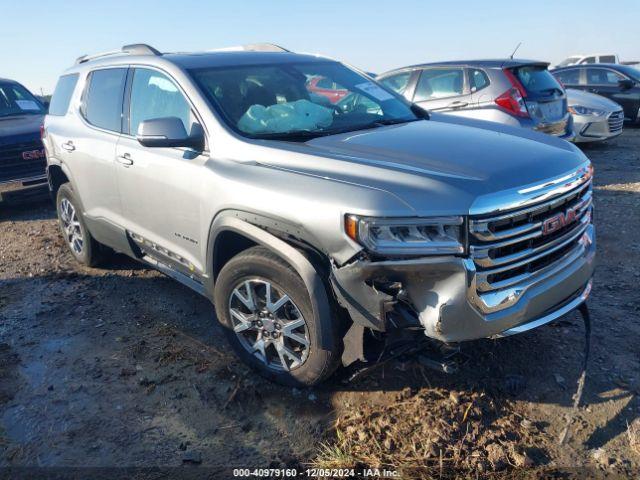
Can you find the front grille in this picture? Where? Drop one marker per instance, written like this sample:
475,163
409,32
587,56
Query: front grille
616,119
510,248
14,167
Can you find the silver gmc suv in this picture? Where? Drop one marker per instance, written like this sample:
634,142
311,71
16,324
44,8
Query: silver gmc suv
322,227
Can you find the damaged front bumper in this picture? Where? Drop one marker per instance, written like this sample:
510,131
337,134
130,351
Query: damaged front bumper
439,294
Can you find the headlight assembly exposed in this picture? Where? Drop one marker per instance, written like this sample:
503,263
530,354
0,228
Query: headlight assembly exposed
407,236
580,110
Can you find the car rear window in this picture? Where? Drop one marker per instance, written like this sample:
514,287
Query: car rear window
536,79
62,94
102,104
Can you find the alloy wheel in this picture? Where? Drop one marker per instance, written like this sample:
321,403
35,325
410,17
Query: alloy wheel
71,226
269,325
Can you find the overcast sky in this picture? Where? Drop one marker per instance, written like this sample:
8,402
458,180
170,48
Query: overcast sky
39,39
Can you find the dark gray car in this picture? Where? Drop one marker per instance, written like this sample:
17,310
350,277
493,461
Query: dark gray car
519,93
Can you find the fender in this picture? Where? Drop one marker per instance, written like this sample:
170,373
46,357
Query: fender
313,282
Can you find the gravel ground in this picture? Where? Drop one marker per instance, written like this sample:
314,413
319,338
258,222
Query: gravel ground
125,367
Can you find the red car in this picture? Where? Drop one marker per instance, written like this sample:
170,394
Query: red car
327,88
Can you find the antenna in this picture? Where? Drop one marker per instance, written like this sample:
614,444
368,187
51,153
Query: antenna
514,52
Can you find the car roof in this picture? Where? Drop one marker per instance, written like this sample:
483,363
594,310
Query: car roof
238,58
590,65
189,60
486,63
7,80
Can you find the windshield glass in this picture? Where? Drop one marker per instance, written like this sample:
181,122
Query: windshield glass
568,61
633,72
299,100
17,100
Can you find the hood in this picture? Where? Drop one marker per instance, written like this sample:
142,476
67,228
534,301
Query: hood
19,126
437,166
590,100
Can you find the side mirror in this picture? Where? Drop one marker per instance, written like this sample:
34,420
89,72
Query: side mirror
626,84
168,132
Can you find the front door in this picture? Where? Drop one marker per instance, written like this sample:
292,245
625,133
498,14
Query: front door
160,187
606,82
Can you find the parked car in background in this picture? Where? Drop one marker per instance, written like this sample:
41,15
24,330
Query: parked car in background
22,157
619,83
520,93
327,88
591,58
315,229
595,118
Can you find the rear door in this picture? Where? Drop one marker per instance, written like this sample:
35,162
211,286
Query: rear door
160,187
443,89
87,142
606,82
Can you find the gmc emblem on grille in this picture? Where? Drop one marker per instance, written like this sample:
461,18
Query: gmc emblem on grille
555,223
33,154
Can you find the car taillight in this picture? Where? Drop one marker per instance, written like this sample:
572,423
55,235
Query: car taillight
42,132
512,101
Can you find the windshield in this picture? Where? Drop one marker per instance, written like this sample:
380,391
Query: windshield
633,72
568,61
17,100
299,100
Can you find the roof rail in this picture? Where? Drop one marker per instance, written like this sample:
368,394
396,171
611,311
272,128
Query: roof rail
253,47
140,49
132,49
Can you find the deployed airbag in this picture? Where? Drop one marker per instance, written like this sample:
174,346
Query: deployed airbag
285,117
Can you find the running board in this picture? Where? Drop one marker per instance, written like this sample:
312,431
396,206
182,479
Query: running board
190,282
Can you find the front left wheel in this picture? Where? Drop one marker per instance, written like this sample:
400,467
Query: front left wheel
269,320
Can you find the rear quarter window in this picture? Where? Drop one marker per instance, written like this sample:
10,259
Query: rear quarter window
103,96
62,94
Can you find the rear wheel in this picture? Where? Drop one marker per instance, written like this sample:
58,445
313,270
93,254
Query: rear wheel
74,231
269,320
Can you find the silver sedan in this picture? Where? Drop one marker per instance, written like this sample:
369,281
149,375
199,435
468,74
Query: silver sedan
595,118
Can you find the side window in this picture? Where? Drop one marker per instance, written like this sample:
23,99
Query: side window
62,94
154,95
102,103
589,60
602,76
569,77
439,83
398,82
607,59
477,79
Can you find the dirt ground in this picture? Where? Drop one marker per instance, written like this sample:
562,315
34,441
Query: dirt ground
125,367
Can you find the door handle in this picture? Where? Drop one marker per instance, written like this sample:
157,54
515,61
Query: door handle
68,146
458,104
125,159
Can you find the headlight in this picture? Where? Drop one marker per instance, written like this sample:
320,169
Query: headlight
580,110
407,236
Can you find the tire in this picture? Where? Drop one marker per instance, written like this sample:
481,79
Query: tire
255,268
84,248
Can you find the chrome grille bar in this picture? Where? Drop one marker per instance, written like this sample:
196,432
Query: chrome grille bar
520,245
